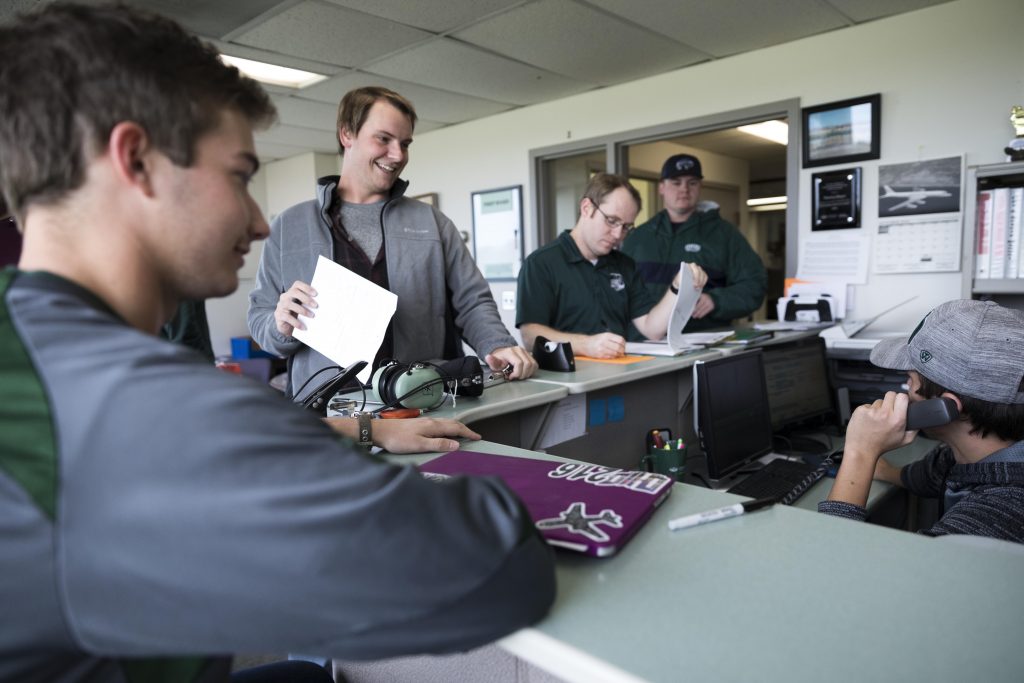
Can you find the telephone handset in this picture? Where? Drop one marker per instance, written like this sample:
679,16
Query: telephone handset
931,413
920,415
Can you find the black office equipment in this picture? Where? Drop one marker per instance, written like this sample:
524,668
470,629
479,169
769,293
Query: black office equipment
796,377
731,415
552,355
318,398
778,478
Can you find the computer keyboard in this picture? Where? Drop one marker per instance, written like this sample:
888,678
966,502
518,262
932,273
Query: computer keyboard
775,479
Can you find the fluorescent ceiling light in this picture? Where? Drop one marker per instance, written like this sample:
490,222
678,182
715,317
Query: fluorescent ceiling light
766,200
274,74
776,131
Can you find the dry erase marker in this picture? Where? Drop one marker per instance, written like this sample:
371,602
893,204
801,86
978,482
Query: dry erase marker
718,513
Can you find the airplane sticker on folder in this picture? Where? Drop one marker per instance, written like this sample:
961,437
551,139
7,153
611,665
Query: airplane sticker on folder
579,506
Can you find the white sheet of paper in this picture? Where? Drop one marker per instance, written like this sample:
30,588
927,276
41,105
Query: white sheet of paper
352,316
685,301
568,420
836,258
691,341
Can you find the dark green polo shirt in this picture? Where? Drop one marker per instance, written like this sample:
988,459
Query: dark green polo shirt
561,289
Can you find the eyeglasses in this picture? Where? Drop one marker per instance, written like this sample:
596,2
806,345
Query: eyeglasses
613,222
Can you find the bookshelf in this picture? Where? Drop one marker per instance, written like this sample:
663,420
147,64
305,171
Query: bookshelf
993,248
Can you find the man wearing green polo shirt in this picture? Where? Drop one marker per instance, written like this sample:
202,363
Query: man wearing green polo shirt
580,289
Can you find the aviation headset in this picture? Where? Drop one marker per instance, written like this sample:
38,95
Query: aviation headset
423,384
408,385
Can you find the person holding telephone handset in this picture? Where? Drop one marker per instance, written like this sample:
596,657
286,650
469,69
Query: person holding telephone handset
969,352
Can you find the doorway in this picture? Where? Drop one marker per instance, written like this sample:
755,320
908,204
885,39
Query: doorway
752,179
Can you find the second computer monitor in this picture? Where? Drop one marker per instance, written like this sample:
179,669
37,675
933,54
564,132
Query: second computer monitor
796,377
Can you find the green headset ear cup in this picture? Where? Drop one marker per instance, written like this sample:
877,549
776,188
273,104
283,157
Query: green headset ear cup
415,377
375,382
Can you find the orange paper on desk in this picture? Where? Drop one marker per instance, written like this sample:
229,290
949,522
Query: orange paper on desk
621,360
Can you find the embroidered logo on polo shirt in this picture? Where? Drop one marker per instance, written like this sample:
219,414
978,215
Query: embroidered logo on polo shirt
926,356
692,248
616,281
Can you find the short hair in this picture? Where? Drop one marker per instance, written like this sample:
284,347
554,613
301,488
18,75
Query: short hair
1005,420
603,184
356,104
71,73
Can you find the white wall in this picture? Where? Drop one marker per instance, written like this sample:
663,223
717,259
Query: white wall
948,76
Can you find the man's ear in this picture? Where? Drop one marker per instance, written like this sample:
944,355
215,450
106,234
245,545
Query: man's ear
956,399
131,155
345,137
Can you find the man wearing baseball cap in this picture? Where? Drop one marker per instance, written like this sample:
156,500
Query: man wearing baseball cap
693,231
970,352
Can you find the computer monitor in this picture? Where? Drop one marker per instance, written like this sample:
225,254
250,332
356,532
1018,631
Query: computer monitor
796,375
730,406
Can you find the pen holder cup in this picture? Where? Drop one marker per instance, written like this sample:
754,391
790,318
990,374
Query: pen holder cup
668,461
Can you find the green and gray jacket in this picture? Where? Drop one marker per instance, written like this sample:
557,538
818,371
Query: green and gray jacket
442,297
736,275
157,514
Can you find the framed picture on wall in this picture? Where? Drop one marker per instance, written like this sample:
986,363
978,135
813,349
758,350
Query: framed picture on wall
835,199
428,198
498,232
842,132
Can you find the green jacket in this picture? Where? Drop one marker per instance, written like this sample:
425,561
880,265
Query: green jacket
736,275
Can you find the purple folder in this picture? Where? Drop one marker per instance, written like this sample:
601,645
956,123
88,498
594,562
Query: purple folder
587,508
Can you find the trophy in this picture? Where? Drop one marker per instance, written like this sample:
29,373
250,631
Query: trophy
1015,150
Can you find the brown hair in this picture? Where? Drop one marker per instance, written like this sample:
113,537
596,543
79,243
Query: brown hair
71,73
603,184
355,107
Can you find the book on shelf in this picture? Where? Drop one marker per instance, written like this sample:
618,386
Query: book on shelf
999,230
997,241
982,234
1013,233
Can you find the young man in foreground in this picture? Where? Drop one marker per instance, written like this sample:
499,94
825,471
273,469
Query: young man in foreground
156,513
970,352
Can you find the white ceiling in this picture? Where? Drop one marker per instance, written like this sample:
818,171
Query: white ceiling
459,60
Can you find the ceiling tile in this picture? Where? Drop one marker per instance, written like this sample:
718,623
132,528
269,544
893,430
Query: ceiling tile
728,27
431,16
211,18
309,138
866,10
331,34
430,103
573,40
451,65
298,111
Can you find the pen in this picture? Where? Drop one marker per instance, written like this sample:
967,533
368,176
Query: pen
658,441
718,513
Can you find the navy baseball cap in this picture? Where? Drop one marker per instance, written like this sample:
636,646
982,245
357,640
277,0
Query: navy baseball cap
679,165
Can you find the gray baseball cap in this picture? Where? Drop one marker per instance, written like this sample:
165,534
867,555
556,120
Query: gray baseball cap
972,348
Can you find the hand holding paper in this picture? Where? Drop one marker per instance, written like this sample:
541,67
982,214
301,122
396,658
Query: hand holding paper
352,316
685,301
